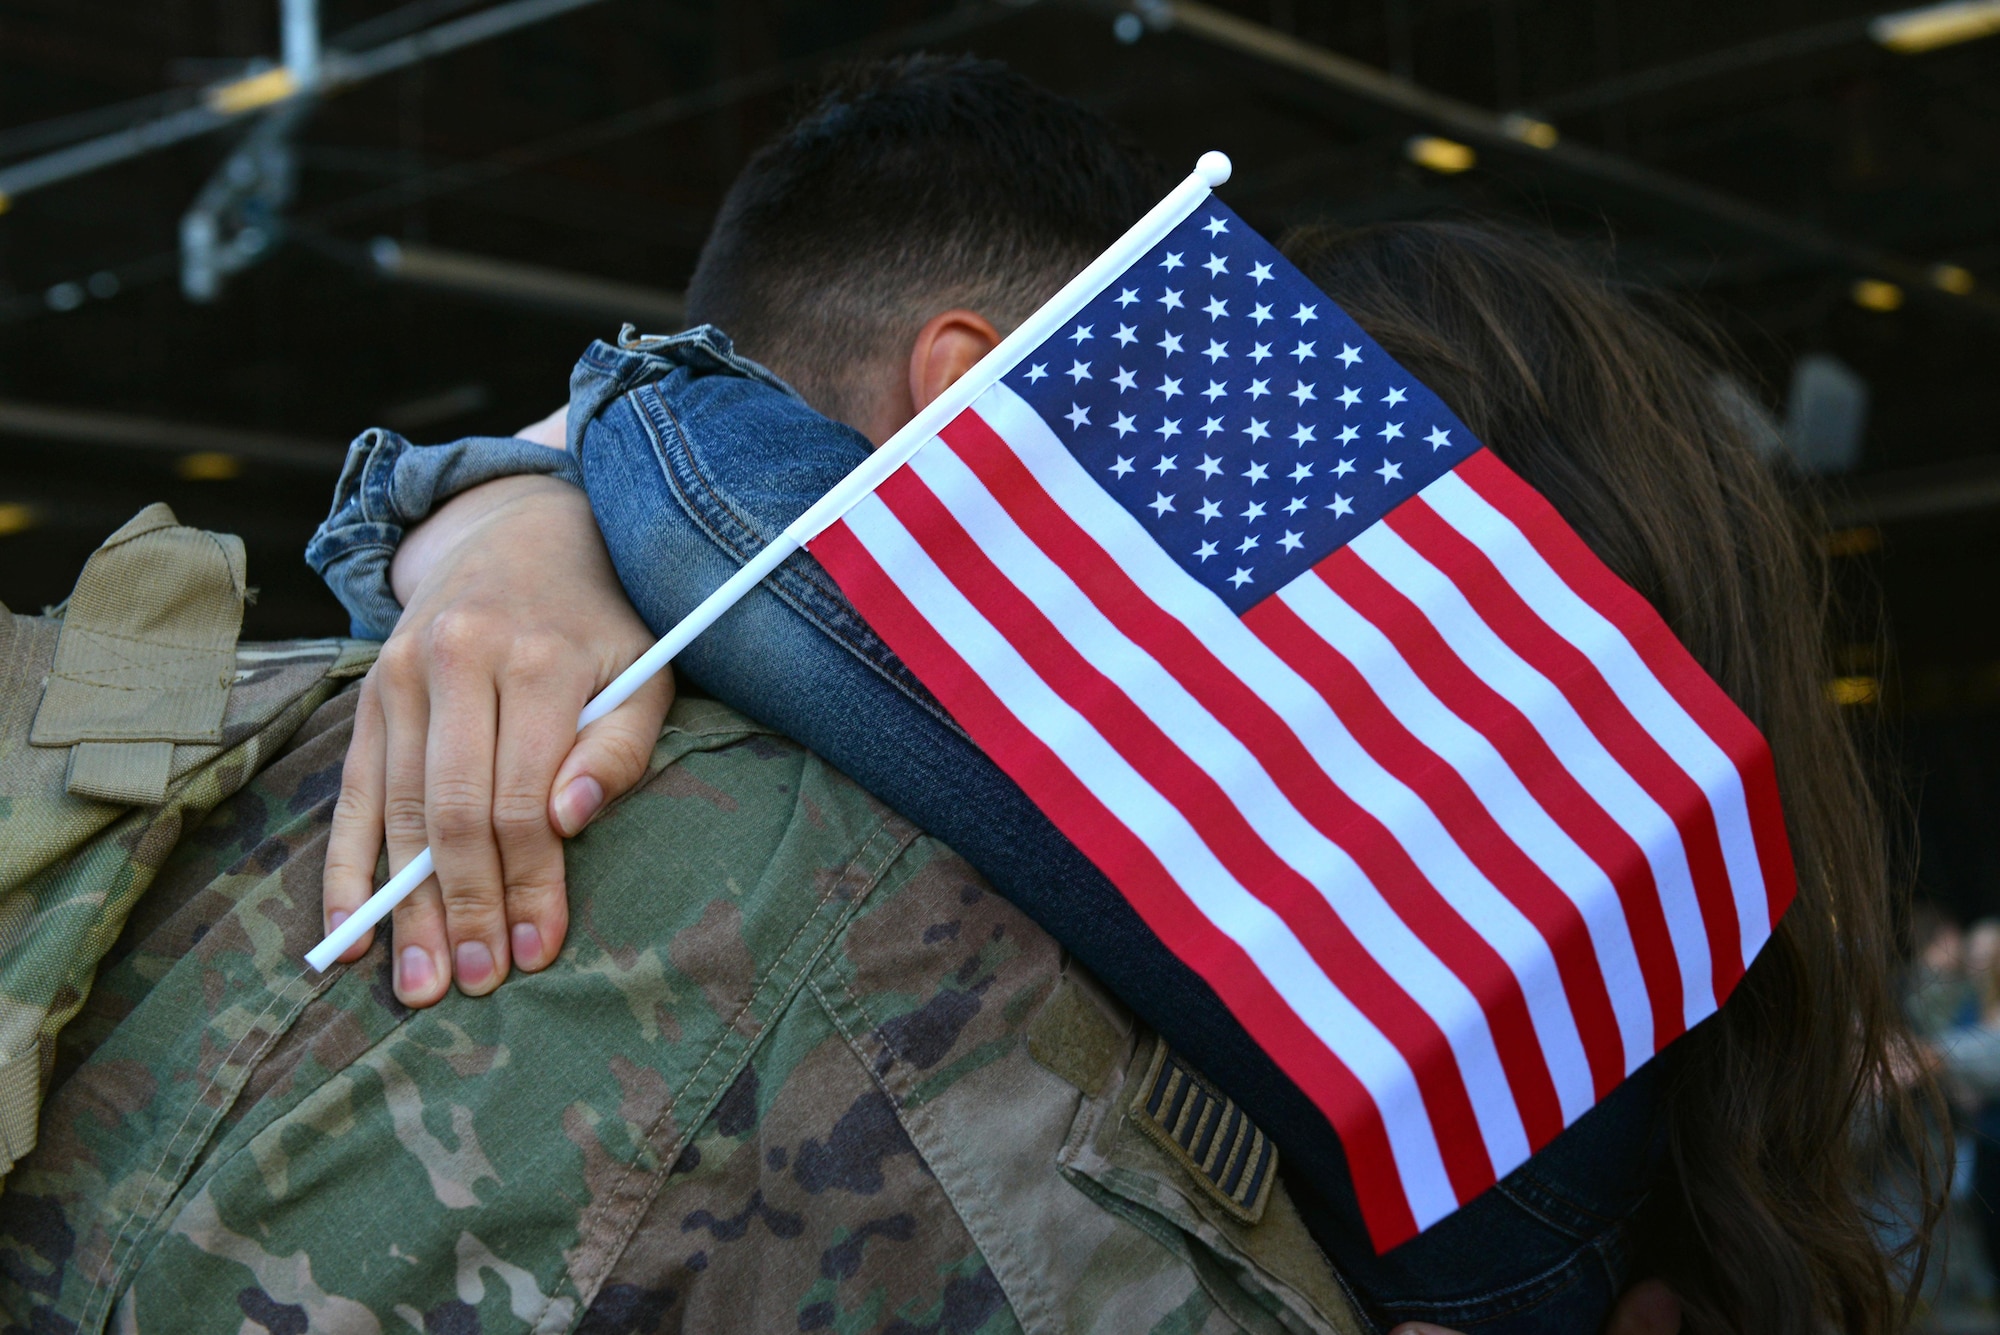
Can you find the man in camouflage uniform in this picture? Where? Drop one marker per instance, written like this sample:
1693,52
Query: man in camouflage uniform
796,1069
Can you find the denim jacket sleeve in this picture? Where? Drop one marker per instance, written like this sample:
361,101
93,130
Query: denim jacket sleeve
388,485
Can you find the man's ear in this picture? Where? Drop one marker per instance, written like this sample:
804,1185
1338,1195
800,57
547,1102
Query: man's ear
950,344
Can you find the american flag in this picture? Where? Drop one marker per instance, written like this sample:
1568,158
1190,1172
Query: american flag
1438,806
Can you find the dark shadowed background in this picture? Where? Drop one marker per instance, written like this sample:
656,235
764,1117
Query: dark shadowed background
429,248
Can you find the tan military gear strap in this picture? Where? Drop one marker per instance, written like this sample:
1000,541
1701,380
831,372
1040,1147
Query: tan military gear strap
20,1105
146,656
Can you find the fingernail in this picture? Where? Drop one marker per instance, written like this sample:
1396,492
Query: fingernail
474,963
334,919
577,803
415,972
527,945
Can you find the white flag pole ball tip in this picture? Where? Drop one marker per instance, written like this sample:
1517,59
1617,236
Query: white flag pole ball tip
1213,168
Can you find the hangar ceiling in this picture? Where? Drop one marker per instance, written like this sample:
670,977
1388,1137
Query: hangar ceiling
462,225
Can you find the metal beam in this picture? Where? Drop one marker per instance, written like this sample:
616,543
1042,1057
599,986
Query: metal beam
1916,493
1536,141
226,103
526,284
299,26
238,218
957,23
1793,45
88,426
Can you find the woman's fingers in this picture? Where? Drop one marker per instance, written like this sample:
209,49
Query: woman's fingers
609,757
422,969
598,766
459,757
538,708
355,841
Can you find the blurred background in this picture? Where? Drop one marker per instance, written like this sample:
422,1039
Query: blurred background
234,233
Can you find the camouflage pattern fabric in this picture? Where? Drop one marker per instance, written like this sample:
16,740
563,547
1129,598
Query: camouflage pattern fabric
72,867
796,1068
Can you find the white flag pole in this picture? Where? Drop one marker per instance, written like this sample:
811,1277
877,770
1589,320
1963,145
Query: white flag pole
1210,171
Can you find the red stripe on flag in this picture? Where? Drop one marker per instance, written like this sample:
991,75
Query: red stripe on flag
1204,804
1545,777
1077,812
1662,652
1383,860
1572,672
1350,694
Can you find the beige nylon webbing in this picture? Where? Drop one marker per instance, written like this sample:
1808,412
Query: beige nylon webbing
20,1105
146,655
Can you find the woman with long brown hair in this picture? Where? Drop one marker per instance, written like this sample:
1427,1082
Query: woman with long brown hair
1778,1108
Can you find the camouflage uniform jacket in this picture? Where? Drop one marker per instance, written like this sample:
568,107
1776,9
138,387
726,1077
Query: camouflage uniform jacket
795,1069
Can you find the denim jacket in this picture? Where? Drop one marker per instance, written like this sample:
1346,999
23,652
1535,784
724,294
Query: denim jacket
385,487
694,457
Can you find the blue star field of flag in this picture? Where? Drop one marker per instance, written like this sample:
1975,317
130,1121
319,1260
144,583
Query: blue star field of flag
1235,411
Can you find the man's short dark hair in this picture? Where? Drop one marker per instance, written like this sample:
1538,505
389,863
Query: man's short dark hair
907,187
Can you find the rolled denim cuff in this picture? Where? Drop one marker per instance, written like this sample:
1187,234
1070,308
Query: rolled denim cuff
388,485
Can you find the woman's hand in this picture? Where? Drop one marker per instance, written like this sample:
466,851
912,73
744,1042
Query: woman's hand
466,735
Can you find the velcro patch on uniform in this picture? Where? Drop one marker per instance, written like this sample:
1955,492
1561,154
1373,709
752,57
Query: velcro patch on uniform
1202,1128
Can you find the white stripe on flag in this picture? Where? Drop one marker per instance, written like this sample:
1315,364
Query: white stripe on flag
1218,896
1409,821
1211,746
1499,790
1621,797
1685,741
